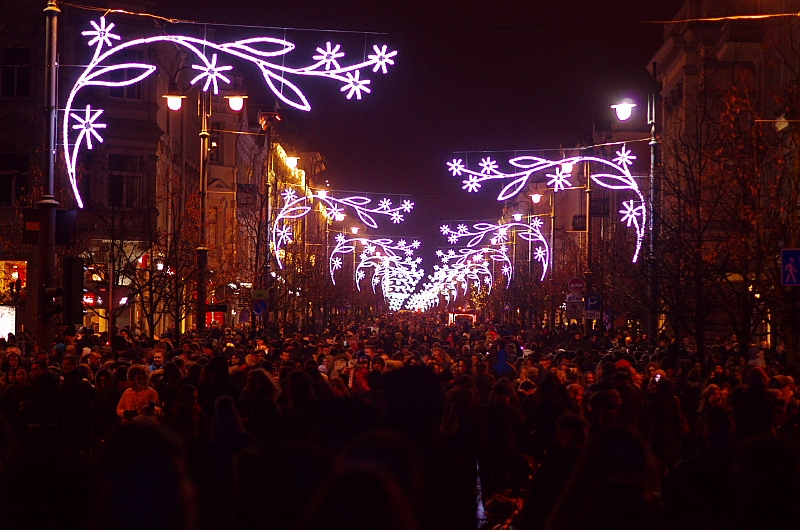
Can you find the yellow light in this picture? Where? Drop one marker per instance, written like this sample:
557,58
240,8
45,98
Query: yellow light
322,194
291,161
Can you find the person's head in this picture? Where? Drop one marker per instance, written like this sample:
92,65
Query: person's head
38,368
286,356
68,364
138,376
13,360
22,375
378,364
103,380
158,358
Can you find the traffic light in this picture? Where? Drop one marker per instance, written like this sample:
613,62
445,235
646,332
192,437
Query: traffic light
52,304
72,280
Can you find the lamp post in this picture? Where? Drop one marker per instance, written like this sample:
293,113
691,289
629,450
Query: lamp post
536,198
624,112
174,102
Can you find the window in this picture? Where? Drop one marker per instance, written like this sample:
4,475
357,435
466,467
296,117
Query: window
124,181
15,73
133,91
13,178
215,144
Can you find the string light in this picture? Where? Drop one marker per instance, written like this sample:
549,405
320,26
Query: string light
212,70
393,264
296,207
497,234
615,175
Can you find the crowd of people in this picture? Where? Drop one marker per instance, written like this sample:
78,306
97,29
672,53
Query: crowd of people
397,422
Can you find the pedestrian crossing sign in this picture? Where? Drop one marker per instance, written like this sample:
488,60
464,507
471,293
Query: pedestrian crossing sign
790,267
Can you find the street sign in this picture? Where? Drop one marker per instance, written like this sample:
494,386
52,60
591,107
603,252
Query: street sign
259,307
259,294
575,310
574,297
790,267
576,285
592,309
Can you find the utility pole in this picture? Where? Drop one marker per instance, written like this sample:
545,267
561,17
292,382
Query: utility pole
653,298
48,204
202,250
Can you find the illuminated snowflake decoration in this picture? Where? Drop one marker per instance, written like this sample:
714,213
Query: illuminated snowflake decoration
624,157
614,175
392,265
560,179
498,234
283,236
382,57
328,57
88,126
296,207
212,61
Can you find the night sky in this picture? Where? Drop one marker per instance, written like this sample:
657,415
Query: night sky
469,76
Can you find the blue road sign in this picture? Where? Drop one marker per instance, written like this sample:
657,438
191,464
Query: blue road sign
259,307
790,267
592,308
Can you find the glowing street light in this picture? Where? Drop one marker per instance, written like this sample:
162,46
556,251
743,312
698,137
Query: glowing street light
291,161
624,109
235,102
354,230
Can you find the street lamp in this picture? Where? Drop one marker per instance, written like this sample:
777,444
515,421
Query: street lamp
624,110
174,102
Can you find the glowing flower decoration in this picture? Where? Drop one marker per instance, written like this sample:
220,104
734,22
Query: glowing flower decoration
456,167
340,238
453,239
355,85
88,126
506,270
444,229
407,206
415,244
402,243
335,211
329,55
439,253
288,194
336,263
397,217
487,280
462,229
382,58
488,165
284,235
540,254
102,33
384,204
559,180
472,184
537,222
211,72
630,212
624,157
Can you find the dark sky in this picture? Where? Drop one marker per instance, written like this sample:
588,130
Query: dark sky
470,75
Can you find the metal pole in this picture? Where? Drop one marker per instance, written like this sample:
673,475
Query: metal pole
653,289
551,322
589,272
48,204
202,250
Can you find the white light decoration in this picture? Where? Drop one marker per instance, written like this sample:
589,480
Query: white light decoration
458,272
624,110
296,207
267,53
615,175
498,235
393,265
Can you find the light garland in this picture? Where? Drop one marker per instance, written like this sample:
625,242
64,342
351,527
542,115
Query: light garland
211,73
634,213
458,271
498,234
393,263
297,206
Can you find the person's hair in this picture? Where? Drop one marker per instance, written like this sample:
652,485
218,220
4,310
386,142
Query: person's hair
136,370
271,389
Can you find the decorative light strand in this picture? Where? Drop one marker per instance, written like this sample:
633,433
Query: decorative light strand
618,177
259,51
393,265
498,234
296,207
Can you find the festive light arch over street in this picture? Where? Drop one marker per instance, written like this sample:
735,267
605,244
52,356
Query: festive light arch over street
470,267
616,177
393,265
297,206
499,234
80,126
